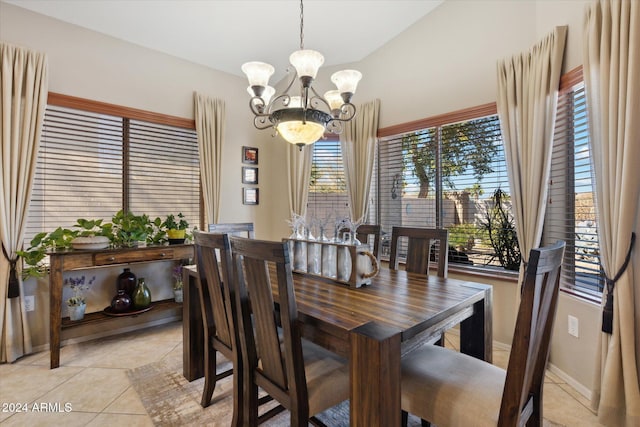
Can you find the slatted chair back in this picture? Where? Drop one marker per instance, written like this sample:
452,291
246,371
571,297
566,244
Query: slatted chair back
419,245
213,259
446,387
244,229
280,371
365,232
522,396
271,339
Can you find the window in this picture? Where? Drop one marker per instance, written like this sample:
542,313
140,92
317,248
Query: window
445,176
570,212
328,200
92,164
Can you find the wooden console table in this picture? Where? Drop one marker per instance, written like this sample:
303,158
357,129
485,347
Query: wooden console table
79,259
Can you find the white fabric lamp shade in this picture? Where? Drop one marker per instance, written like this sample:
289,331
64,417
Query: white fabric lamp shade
306,62
346,80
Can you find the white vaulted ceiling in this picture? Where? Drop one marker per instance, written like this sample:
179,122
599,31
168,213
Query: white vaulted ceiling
223,34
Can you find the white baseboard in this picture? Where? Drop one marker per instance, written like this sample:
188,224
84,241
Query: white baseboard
586,392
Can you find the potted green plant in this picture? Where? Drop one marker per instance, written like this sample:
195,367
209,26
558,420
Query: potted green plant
41,243
176,228
77,304
129,229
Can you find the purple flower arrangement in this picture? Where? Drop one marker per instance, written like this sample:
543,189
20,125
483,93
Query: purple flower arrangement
78,285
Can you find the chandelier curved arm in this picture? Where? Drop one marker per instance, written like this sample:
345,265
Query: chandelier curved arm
262,121
346,113
257,106
334,126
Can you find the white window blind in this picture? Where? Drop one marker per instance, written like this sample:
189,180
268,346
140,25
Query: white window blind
79,170
444,177
91,165
164,171
571,212
328,200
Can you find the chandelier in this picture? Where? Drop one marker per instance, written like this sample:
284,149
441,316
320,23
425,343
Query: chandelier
303,118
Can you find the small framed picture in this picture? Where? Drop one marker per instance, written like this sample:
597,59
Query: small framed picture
250,196
250,155
249,175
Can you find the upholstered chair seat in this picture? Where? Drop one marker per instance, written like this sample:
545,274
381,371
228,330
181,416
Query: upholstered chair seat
451,388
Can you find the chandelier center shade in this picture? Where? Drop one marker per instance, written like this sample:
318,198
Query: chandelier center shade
302,118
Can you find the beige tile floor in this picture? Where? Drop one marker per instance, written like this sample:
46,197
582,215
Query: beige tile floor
92,380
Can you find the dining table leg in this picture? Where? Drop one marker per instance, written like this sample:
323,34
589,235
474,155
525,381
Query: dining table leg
476,332
192,328
375,376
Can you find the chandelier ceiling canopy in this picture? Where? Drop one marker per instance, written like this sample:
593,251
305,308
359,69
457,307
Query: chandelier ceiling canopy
303,118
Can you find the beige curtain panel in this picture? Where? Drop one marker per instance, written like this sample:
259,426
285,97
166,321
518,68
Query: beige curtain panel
358,142
612,82
210,126
527,100
23,99
299,175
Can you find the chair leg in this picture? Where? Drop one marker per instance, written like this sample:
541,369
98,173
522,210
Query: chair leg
209,374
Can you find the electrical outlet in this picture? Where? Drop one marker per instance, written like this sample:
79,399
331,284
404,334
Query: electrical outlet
29,303
573,327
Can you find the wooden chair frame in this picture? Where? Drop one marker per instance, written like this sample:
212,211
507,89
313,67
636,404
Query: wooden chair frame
274,360
234,228
218,313
419,249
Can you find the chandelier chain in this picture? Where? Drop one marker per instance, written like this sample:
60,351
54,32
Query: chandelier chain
301,26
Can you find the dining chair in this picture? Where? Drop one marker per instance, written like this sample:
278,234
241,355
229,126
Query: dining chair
303,377
419,249
365,232
237,228
213,260
448,388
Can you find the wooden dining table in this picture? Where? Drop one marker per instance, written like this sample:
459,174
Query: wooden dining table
372,326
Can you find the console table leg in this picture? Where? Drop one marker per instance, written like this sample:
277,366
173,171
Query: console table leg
55,308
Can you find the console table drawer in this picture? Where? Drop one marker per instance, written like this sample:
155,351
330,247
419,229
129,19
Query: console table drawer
125,257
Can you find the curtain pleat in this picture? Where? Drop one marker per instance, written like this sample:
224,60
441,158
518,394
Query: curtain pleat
210,126
23,100
299,175
611,76
527,100
358,143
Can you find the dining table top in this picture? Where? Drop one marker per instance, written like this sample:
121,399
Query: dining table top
407,302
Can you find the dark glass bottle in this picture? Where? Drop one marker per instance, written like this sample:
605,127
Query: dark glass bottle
127,282
141,295
121,302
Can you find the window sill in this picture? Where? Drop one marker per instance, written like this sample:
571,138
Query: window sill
485,272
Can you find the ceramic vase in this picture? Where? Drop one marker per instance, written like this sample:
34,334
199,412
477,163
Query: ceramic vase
141,295
127,282
121,302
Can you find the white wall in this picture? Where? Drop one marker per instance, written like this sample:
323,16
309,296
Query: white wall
444,62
